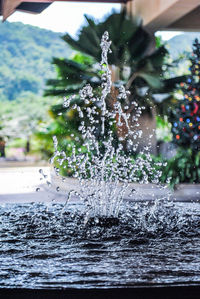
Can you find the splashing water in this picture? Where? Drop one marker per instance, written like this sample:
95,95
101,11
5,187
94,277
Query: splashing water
151,244
103,170
40,249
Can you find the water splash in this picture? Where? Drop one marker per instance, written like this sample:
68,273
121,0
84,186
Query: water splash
40,249
103,170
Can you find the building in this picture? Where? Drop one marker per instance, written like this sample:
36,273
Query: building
181,15
8,7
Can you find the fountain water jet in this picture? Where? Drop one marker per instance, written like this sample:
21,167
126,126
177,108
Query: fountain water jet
102,168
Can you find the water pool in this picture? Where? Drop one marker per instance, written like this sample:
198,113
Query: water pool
40,248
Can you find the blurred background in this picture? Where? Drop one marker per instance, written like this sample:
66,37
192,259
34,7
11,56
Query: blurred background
51,55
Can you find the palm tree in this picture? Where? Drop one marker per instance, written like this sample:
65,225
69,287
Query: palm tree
134,62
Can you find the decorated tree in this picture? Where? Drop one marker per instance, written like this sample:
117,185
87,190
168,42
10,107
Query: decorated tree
185,166
186,125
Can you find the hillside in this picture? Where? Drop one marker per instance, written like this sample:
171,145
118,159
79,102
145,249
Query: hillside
180,43
26,52
25,55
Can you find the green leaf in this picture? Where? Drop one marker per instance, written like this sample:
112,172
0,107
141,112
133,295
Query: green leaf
151,79
197,160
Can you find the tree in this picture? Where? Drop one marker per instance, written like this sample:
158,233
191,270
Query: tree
186,116
133,62
2,147
4,108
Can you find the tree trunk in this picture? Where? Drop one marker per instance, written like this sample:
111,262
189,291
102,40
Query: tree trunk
28,145
147,123
2,148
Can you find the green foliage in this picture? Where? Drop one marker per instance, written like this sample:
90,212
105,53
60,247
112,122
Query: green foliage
163,129
138,67
128,39
45,133
21,117
16,143
43,145
72,75
183,168
159,41
25,55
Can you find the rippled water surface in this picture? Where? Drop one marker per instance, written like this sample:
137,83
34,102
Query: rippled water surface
40,248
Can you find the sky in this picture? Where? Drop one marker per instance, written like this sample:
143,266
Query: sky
69,16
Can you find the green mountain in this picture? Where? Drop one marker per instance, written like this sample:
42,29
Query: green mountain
182,42
25,55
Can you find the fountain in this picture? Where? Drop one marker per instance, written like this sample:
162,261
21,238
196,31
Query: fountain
101,166
102,242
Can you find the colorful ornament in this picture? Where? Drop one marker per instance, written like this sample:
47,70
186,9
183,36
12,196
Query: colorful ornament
196,108
183,108
186,122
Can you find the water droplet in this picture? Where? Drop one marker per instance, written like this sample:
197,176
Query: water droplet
102,169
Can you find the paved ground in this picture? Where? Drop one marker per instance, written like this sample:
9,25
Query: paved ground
19,184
